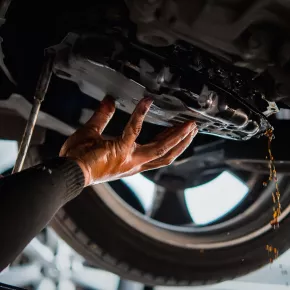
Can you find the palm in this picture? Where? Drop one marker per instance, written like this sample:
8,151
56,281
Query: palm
105,160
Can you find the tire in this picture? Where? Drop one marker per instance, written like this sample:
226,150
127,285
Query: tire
113,236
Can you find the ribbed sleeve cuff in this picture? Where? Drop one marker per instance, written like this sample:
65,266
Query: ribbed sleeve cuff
71,172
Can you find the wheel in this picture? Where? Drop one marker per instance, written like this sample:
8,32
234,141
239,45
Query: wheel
121,237
47,263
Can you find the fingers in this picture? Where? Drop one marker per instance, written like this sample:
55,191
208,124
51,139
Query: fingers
159,148
168,158
102,115
164,133
134,126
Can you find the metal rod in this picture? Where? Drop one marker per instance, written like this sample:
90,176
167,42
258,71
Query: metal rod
4,5
41,89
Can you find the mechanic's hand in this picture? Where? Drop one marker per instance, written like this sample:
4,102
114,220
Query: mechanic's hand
105,160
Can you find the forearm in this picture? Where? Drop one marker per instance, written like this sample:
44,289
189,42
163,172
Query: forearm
30,199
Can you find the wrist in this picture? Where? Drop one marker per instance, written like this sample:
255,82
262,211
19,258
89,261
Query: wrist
86,172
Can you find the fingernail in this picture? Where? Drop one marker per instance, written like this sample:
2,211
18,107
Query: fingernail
147,104
108,104
148,100
190,124
109,99
193,125
193,132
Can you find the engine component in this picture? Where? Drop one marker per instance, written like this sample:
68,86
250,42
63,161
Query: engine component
231,30
178,96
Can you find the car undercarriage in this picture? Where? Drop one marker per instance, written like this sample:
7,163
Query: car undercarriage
224,64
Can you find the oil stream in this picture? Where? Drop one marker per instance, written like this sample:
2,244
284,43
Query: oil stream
272,251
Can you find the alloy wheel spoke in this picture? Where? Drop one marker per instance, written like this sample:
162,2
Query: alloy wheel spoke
92,278
172,202
46,284
22,276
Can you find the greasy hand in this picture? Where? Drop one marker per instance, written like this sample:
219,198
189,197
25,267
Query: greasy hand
105,160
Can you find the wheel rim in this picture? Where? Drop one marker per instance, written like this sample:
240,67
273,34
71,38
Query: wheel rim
191,237
51,265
